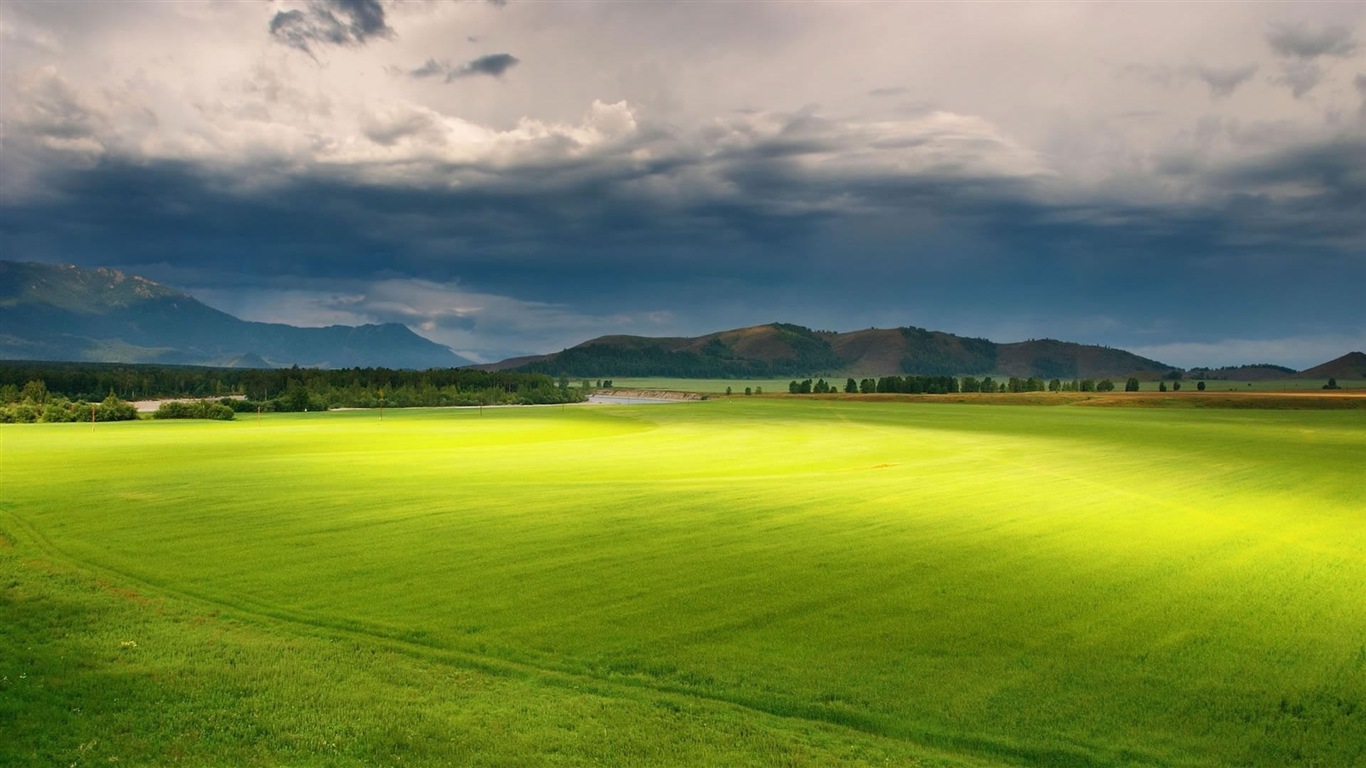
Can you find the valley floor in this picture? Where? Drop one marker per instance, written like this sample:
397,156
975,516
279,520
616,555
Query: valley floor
740,581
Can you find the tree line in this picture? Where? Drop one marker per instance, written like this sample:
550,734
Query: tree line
40,385
944,385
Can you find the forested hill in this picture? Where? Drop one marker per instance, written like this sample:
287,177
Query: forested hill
781,349
51,312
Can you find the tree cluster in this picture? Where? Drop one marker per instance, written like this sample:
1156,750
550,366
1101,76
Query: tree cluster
915,385
34,403
196,409
935,353
287,389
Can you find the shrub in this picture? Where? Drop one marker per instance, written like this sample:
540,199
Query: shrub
114,409
200,409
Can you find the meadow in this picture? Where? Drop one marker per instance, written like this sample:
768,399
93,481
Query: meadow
778,386
743,581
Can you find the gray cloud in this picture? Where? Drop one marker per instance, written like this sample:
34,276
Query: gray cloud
387,129
1223,81
50,107
1301,76
1300,41
1303,47
430,68
164,147
494,65
330,22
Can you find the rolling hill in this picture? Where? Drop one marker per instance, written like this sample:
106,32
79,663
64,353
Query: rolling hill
782,349
1350,366
1253,372
50,312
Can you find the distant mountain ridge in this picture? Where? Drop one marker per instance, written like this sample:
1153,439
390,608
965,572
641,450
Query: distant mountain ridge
782,349
50,312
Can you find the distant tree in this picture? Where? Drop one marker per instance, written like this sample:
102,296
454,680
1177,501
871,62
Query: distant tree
749,390
1332,384
758,390
34,392
114,409
868,386
793,387
850,386
564,381
805,387
987,385
1131,385
1088,385
1200,385
1161,386
1054,385
1105,385
1176,386
727,391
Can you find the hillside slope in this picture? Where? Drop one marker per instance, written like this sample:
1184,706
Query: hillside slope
781,349
52,312
1350,366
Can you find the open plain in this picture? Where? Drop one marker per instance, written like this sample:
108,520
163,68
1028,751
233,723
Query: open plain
743,581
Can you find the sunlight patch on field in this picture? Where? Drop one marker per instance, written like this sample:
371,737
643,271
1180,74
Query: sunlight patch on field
1099,586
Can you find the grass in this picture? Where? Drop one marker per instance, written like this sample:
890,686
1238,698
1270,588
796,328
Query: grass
742,581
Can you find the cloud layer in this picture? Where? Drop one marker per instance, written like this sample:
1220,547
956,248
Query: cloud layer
677,169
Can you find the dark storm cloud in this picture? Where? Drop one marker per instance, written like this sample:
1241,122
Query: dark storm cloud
792,215
1330,204
494,65
330,22
1300,41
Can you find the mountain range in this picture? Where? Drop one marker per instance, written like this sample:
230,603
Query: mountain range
781,349
50,312
65,313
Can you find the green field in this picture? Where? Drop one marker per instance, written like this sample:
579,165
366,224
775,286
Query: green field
779,386
731,582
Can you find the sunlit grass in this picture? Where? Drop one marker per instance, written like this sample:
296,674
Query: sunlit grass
1039,585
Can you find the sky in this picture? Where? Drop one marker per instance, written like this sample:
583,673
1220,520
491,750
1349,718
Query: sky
1183,180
